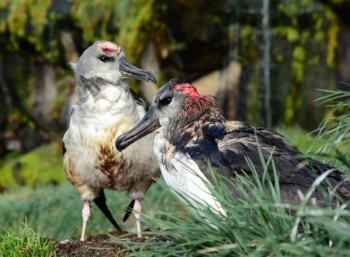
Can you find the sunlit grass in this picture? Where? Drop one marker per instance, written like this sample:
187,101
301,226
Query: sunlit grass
24,242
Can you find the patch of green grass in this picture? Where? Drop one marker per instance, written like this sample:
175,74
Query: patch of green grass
329,144
335,129
24,242
56,210
39,167
257,224
301,139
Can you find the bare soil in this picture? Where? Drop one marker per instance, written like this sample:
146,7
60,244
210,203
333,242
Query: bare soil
101,245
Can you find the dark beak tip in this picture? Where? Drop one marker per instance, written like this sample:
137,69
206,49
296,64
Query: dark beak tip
151,77
153,80
119,143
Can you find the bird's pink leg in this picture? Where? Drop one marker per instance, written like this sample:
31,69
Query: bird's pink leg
85,214
137,211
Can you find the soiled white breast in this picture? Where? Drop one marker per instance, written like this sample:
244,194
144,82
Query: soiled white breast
184,178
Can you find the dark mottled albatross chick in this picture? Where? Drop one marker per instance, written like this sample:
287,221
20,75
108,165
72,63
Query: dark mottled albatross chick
193,131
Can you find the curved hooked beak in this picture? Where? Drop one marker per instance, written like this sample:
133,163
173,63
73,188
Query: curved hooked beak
147,125
130,71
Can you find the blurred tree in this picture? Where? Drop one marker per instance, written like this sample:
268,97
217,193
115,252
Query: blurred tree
190,39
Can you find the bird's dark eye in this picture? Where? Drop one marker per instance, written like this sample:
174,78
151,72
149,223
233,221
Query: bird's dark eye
165,101
105,58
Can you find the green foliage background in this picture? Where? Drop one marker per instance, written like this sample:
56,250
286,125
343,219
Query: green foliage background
305,38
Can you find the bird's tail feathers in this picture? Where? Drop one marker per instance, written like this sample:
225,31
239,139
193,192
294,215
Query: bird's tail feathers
100,201
128,210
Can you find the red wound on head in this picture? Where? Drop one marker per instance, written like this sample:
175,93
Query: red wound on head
187,89
109,47
107,50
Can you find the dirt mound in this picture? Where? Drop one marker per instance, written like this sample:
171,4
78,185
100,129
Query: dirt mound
100,245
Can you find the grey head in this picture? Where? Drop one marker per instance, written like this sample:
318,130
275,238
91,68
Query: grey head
172,101
107,61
